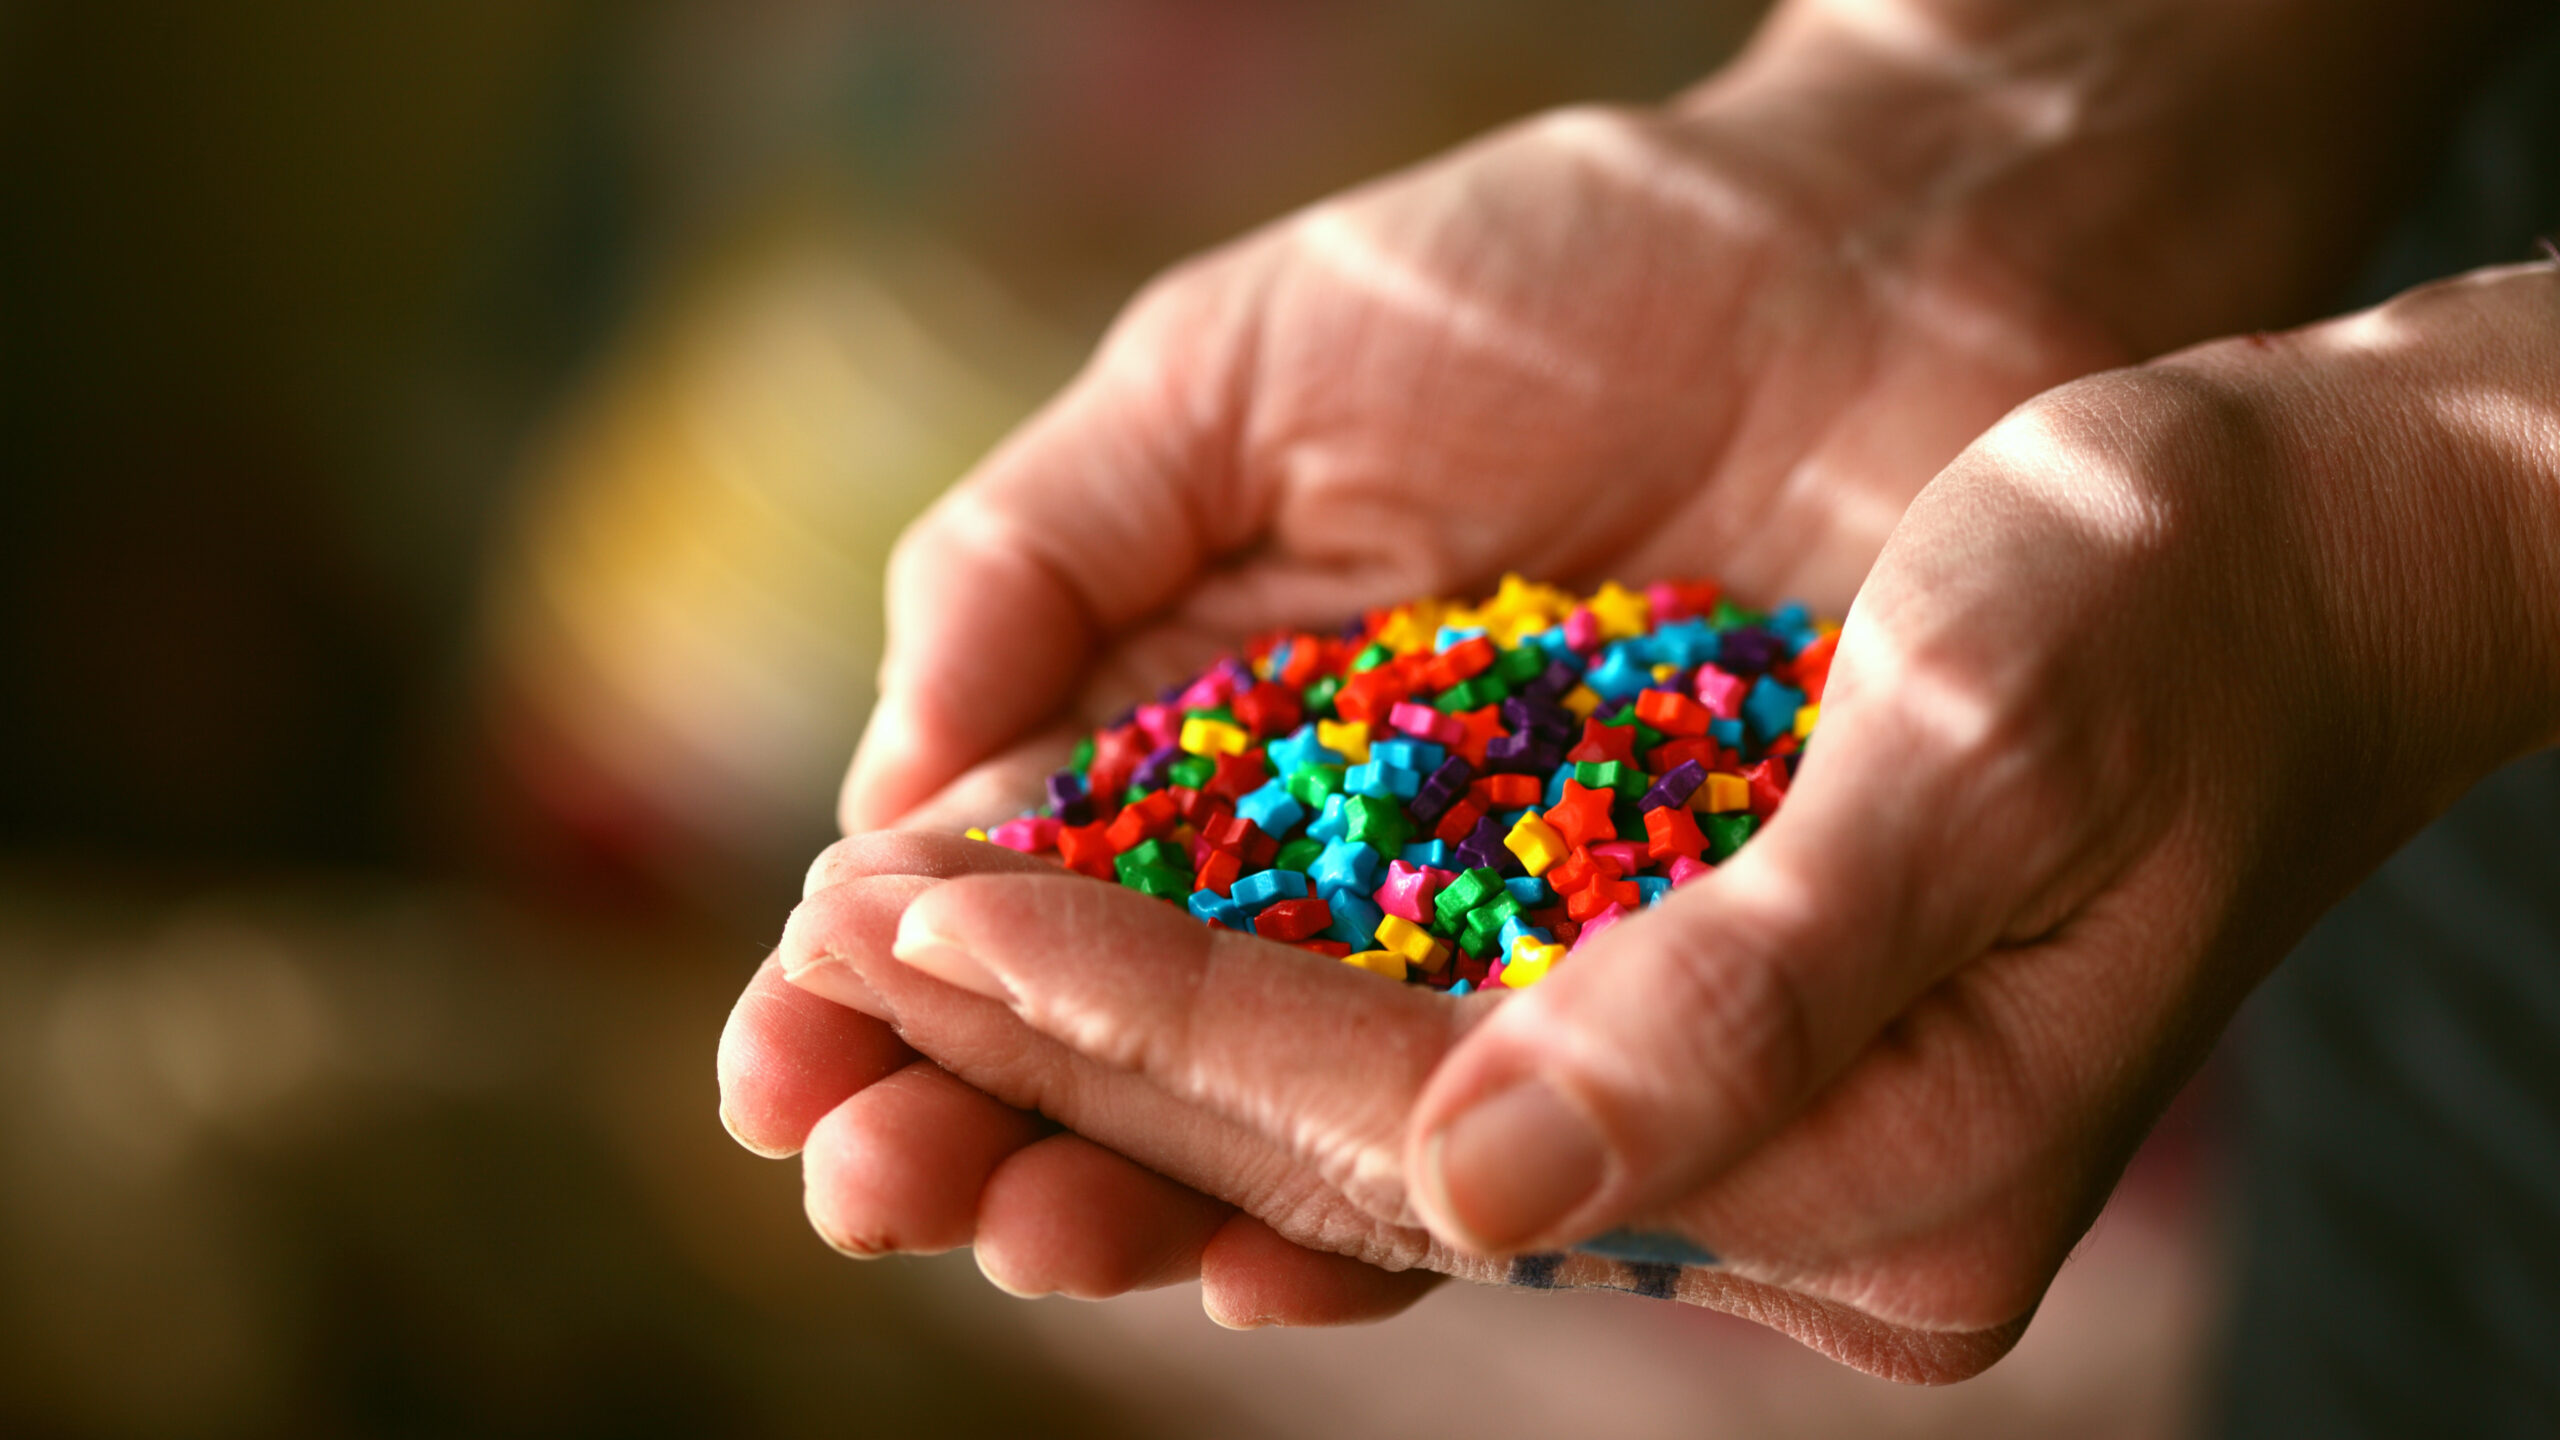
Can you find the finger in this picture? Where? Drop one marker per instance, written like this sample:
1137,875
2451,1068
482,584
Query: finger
987,1044
899,1166
1095,513
1669,1047
983,1041
1064,1216
1214,1017
788,1056
1252,1276
789,1052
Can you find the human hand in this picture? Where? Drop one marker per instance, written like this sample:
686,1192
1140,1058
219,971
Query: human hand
2147,679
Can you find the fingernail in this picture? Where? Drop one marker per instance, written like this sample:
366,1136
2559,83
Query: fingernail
829,977
1507,1171
937,955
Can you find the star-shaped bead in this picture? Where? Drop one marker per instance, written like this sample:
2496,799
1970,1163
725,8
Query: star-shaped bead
1483,726
1622,612
1583,815
1603,743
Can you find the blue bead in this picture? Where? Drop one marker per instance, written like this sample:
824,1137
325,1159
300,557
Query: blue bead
1345,864
1770,709
1355,920
1419,756
1462,988
1451,635
1262,887
1300,747
1210,906
1686,644
1382,780
1530,891
1515,927
1555,784
1727,733
1619,675
1272,808
1651,888
1334,824
1432,854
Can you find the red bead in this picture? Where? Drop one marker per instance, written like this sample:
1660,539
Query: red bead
1672,713
1583,815
1670,830
1603,743
1086,849
1292,919
1459,823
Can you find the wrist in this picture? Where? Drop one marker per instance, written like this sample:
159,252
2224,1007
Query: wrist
2412,452
2169,169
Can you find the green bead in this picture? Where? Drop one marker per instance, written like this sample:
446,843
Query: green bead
1191,771
1310,784
1298,854
1218,713
1519,666
1502,907
1479,939
1377,823
1464,894
1134,794
1646,736
1730,616
1319,696
1471,695
1081,761
1725,833
1150,855
1628,816
1371,657
1609,775
1163,882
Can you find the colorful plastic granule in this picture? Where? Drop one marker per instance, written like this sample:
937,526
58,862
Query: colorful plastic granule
1456,796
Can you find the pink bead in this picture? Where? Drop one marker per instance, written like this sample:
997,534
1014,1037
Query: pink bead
1030,834
1162,724
1207,692
1630,856
1664,599
1582,629
1596,924
1684,870
1408,892
1721,693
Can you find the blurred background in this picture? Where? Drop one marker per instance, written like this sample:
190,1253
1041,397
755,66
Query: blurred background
447,456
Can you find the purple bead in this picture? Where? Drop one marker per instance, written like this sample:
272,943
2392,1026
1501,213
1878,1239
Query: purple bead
1484,849
1513,753
1748,650
1156,768
1536,714
1354,628
1675,787
1238,674
1555,680
1067,799
1440,791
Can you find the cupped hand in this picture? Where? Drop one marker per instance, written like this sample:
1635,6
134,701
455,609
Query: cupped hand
1605,343
2146,679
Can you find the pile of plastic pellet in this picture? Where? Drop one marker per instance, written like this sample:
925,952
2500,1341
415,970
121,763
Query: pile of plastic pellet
1452,795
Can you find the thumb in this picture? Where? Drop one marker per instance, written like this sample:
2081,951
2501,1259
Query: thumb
1669,1047
1099,510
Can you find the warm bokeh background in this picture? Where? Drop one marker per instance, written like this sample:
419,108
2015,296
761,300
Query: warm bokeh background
447,454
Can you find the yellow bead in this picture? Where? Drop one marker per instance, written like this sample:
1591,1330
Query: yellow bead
1583,701
1204,736
1529,963
1662,673
974,833
1536,843
1411,628
1622,612
1377,962
1807,716
1725,794
1346,738
1411,941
